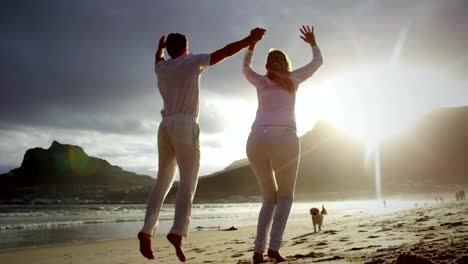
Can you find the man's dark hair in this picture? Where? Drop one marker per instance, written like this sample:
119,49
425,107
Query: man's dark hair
175,44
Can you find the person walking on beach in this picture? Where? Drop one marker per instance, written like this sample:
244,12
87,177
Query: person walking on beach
273,145
178,133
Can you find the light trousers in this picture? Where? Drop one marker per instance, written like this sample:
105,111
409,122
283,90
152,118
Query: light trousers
178,145
273,152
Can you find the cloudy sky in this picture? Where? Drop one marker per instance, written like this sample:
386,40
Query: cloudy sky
81,72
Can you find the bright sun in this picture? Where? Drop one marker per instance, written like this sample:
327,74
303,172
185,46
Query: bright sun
372,103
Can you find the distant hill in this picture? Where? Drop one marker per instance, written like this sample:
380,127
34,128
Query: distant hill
237,164
431,156
66,171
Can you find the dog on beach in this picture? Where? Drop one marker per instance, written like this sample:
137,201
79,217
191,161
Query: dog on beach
317,217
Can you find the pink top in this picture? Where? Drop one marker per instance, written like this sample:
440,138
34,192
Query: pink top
275,104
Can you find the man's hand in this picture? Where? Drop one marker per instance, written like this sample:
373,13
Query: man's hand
257,34
308,35
229,50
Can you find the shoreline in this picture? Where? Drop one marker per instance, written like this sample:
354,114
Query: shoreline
75,225
357,238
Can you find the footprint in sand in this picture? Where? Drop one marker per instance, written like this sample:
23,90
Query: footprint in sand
237,255
198,250
237,241
373,236
331,232
355,248
428,236
308,255
373,246
409,257
330,258
384,229
451,224
302,236
244,261
389,249
430,228
422,219
298,242
344,239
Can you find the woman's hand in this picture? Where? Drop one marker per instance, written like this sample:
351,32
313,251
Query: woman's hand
161,46
162,42
308,35
256,34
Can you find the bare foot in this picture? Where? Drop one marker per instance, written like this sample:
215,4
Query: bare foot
258,258
275,255
176,241
145,245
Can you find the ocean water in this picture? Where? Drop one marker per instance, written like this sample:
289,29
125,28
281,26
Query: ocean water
35,226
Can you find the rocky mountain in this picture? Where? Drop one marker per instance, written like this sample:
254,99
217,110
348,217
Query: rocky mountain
66,171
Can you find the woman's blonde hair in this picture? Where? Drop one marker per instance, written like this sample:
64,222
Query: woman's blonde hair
279,70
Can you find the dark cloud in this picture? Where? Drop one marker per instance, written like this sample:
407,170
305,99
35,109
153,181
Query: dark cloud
74,56
88,65
107,120
95,56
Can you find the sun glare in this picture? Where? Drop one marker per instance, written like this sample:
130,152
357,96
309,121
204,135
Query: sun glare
376,103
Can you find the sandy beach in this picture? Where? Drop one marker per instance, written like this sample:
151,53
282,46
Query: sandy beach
435,233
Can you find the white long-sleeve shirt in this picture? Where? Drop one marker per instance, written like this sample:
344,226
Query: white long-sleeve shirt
275,104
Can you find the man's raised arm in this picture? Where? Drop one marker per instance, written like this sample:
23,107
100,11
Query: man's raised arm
256,34
159,56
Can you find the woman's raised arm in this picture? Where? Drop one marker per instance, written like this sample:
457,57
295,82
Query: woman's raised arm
308,70
248,72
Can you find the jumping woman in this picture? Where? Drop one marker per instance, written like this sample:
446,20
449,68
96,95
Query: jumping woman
273,145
